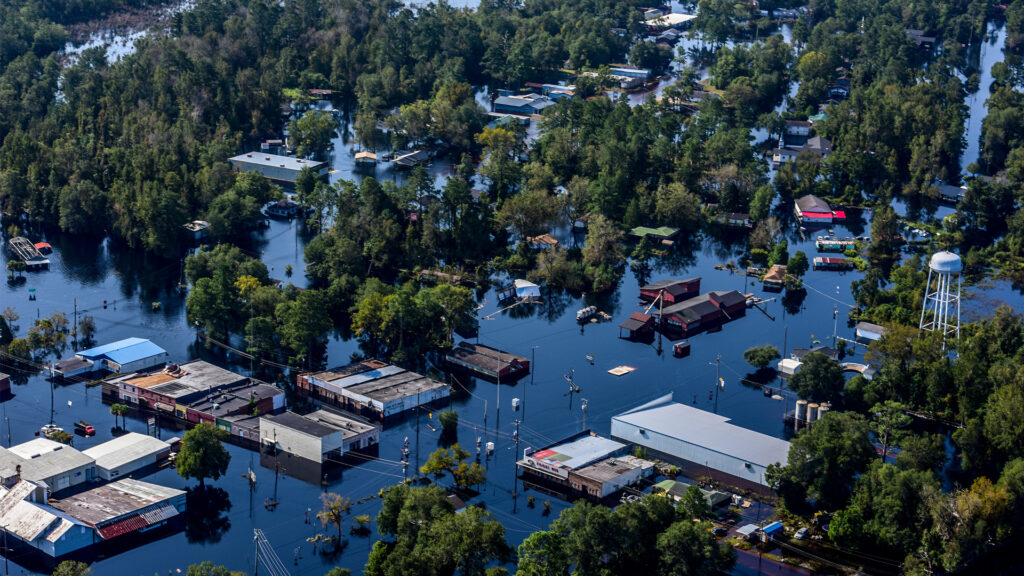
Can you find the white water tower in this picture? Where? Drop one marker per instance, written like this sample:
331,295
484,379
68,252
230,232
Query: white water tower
941,310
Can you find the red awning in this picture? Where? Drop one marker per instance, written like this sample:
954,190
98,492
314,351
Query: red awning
816,214
839,215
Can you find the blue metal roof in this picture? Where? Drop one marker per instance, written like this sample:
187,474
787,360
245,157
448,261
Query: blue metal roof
123,351
772,528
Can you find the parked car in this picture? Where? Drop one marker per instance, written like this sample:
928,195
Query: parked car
801,533
720,532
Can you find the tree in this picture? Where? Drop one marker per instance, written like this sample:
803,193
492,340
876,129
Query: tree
922,452
884,511
761,357
528,213
819,378
121,410
311,133
693,505
889,421
333,511
453,461
798,264
336,571
208,569
202,454
73,568
602,245
823,462
689,549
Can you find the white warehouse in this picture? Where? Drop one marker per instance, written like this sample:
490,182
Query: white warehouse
123,455
702,443
318,436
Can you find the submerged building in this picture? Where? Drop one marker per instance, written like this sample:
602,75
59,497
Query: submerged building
702,443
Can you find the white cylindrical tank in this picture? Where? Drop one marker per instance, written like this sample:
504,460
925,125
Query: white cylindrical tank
812,412
823,408
946,262
801,410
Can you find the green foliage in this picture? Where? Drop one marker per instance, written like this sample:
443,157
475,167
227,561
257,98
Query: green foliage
208,569
453,461
311,133
423,536
797,265
761,356
333,511
72,568
693,505
819,379
824,461
643,537
202,453
449,421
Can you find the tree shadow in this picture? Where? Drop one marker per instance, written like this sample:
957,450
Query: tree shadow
207,520
794,300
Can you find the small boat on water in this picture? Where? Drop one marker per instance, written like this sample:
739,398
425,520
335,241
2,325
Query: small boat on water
50,429
584,314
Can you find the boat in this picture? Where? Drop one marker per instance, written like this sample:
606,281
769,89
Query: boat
585,313
50,429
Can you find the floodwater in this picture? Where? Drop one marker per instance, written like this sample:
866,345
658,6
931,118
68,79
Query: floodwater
990,54
91,272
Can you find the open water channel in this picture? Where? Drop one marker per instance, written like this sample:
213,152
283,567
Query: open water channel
117,286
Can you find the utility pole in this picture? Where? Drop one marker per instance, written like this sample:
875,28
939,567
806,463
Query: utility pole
835,323
533,369
661,309
515,436
718,378
75,345
583,404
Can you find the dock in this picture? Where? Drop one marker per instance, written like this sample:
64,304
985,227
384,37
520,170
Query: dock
487,362
24,250
829,244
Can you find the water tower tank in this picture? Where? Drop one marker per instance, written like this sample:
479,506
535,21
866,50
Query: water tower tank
941,309
946,262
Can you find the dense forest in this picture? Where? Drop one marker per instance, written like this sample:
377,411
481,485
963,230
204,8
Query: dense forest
134,149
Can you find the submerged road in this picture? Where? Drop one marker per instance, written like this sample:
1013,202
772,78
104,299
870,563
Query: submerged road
749,564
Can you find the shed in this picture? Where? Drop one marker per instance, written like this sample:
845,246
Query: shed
365,157
869,331
747,531
771,530
126,454
304,437
487,361
638,325
674,290
283,208
775,279
665,234
542,242
731,302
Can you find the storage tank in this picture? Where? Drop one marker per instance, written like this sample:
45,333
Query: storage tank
823,408
812,412
801,410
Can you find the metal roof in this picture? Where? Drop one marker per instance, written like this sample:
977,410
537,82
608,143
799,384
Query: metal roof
125,450
579,452
286,162
299,423
710,431
123,351
42,458
812,203
111,501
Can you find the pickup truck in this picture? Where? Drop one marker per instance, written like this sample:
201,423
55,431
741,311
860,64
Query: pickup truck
84,428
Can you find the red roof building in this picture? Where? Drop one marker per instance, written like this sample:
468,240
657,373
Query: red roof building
674,290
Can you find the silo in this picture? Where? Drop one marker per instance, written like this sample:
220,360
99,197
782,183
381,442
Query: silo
801,410
823,408
812,412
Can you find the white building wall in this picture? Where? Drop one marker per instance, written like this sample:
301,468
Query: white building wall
300,444
749,471
140,364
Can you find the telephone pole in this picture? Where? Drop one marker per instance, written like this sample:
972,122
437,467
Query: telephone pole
583,404
718,378
515,470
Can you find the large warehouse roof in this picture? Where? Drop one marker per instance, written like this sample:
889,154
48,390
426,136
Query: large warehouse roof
710,431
